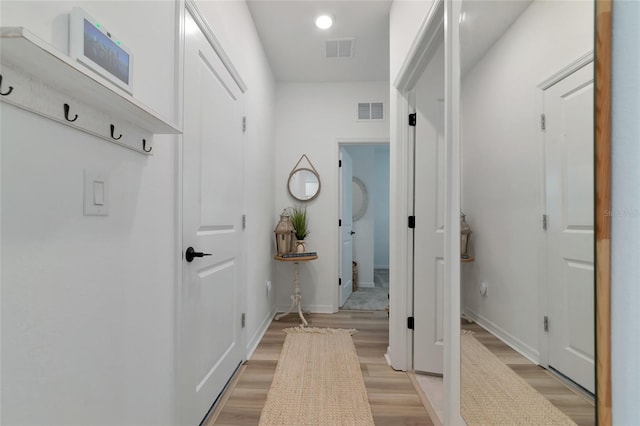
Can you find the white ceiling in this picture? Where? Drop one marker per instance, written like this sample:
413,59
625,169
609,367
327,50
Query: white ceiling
296,48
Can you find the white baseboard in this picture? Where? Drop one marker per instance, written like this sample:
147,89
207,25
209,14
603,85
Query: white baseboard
314,309
368,285
380,266
516,344
259,334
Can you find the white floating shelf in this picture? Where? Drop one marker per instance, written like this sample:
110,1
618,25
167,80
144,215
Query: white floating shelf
43,80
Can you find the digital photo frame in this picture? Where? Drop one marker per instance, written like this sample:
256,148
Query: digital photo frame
92,45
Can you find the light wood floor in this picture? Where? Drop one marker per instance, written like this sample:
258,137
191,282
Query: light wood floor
572,403
392,397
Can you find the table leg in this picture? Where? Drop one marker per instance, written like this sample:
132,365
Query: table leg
293,304
296,298
298,293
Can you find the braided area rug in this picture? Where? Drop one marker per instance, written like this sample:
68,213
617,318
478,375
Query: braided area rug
493,394
318,381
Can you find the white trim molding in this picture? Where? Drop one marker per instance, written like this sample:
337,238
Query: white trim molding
452,414
199,18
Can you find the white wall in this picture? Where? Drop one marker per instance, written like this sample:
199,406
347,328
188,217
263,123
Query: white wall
229,20
88,302
625,220
502,164
311,119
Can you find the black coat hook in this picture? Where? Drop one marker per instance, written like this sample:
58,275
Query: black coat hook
144,146
113,128
66,114
8,91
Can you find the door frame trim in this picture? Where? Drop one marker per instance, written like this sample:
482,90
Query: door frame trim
442,16
177,204
603,24
199,18
400,352
543,289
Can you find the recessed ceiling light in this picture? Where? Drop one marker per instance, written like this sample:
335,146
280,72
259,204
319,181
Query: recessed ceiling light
324,22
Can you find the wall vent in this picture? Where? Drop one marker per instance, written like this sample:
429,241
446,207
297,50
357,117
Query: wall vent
370,111
340,48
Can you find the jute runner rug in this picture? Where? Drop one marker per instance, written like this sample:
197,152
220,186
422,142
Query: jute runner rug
318,381
493,394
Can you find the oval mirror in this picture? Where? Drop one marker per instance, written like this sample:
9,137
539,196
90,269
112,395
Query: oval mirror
360,199
304,184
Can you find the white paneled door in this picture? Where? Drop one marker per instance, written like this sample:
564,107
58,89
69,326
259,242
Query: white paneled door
210,334
346,228
568,109
428,235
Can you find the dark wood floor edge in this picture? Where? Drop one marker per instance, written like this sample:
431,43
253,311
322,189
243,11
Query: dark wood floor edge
226,393
424,399
582,393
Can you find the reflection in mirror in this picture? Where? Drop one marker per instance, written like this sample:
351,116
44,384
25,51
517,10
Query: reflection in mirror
304,184
527,123
360,199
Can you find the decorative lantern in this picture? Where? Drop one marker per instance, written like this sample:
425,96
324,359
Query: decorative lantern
465,235
284,234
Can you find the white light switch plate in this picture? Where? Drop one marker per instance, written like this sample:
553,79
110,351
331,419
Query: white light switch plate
96,194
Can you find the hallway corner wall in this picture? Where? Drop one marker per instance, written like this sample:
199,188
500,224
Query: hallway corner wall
88,301
311,118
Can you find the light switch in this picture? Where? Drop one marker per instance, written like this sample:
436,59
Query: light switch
96,194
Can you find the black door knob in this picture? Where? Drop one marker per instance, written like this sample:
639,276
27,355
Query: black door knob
353,232
191,254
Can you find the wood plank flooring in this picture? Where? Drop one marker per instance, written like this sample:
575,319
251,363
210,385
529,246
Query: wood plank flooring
571,402
393,399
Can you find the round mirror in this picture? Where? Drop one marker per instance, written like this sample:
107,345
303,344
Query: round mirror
304,184
360,199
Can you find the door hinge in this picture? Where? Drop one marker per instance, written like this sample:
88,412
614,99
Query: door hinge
243,320
412,222
244,221
339,222
544,222
339,163
410,323
339,281
244,124
543,122
546,323
412,119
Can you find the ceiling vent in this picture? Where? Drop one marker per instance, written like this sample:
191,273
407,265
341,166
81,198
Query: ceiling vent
340,48
370,111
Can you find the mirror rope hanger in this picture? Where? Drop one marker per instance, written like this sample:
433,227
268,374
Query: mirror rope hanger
304,156
304,182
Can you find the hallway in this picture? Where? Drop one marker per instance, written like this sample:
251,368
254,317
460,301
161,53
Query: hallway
392,397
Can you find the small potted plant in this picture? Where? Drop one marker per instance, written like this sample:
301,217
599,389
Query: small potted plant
298,218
